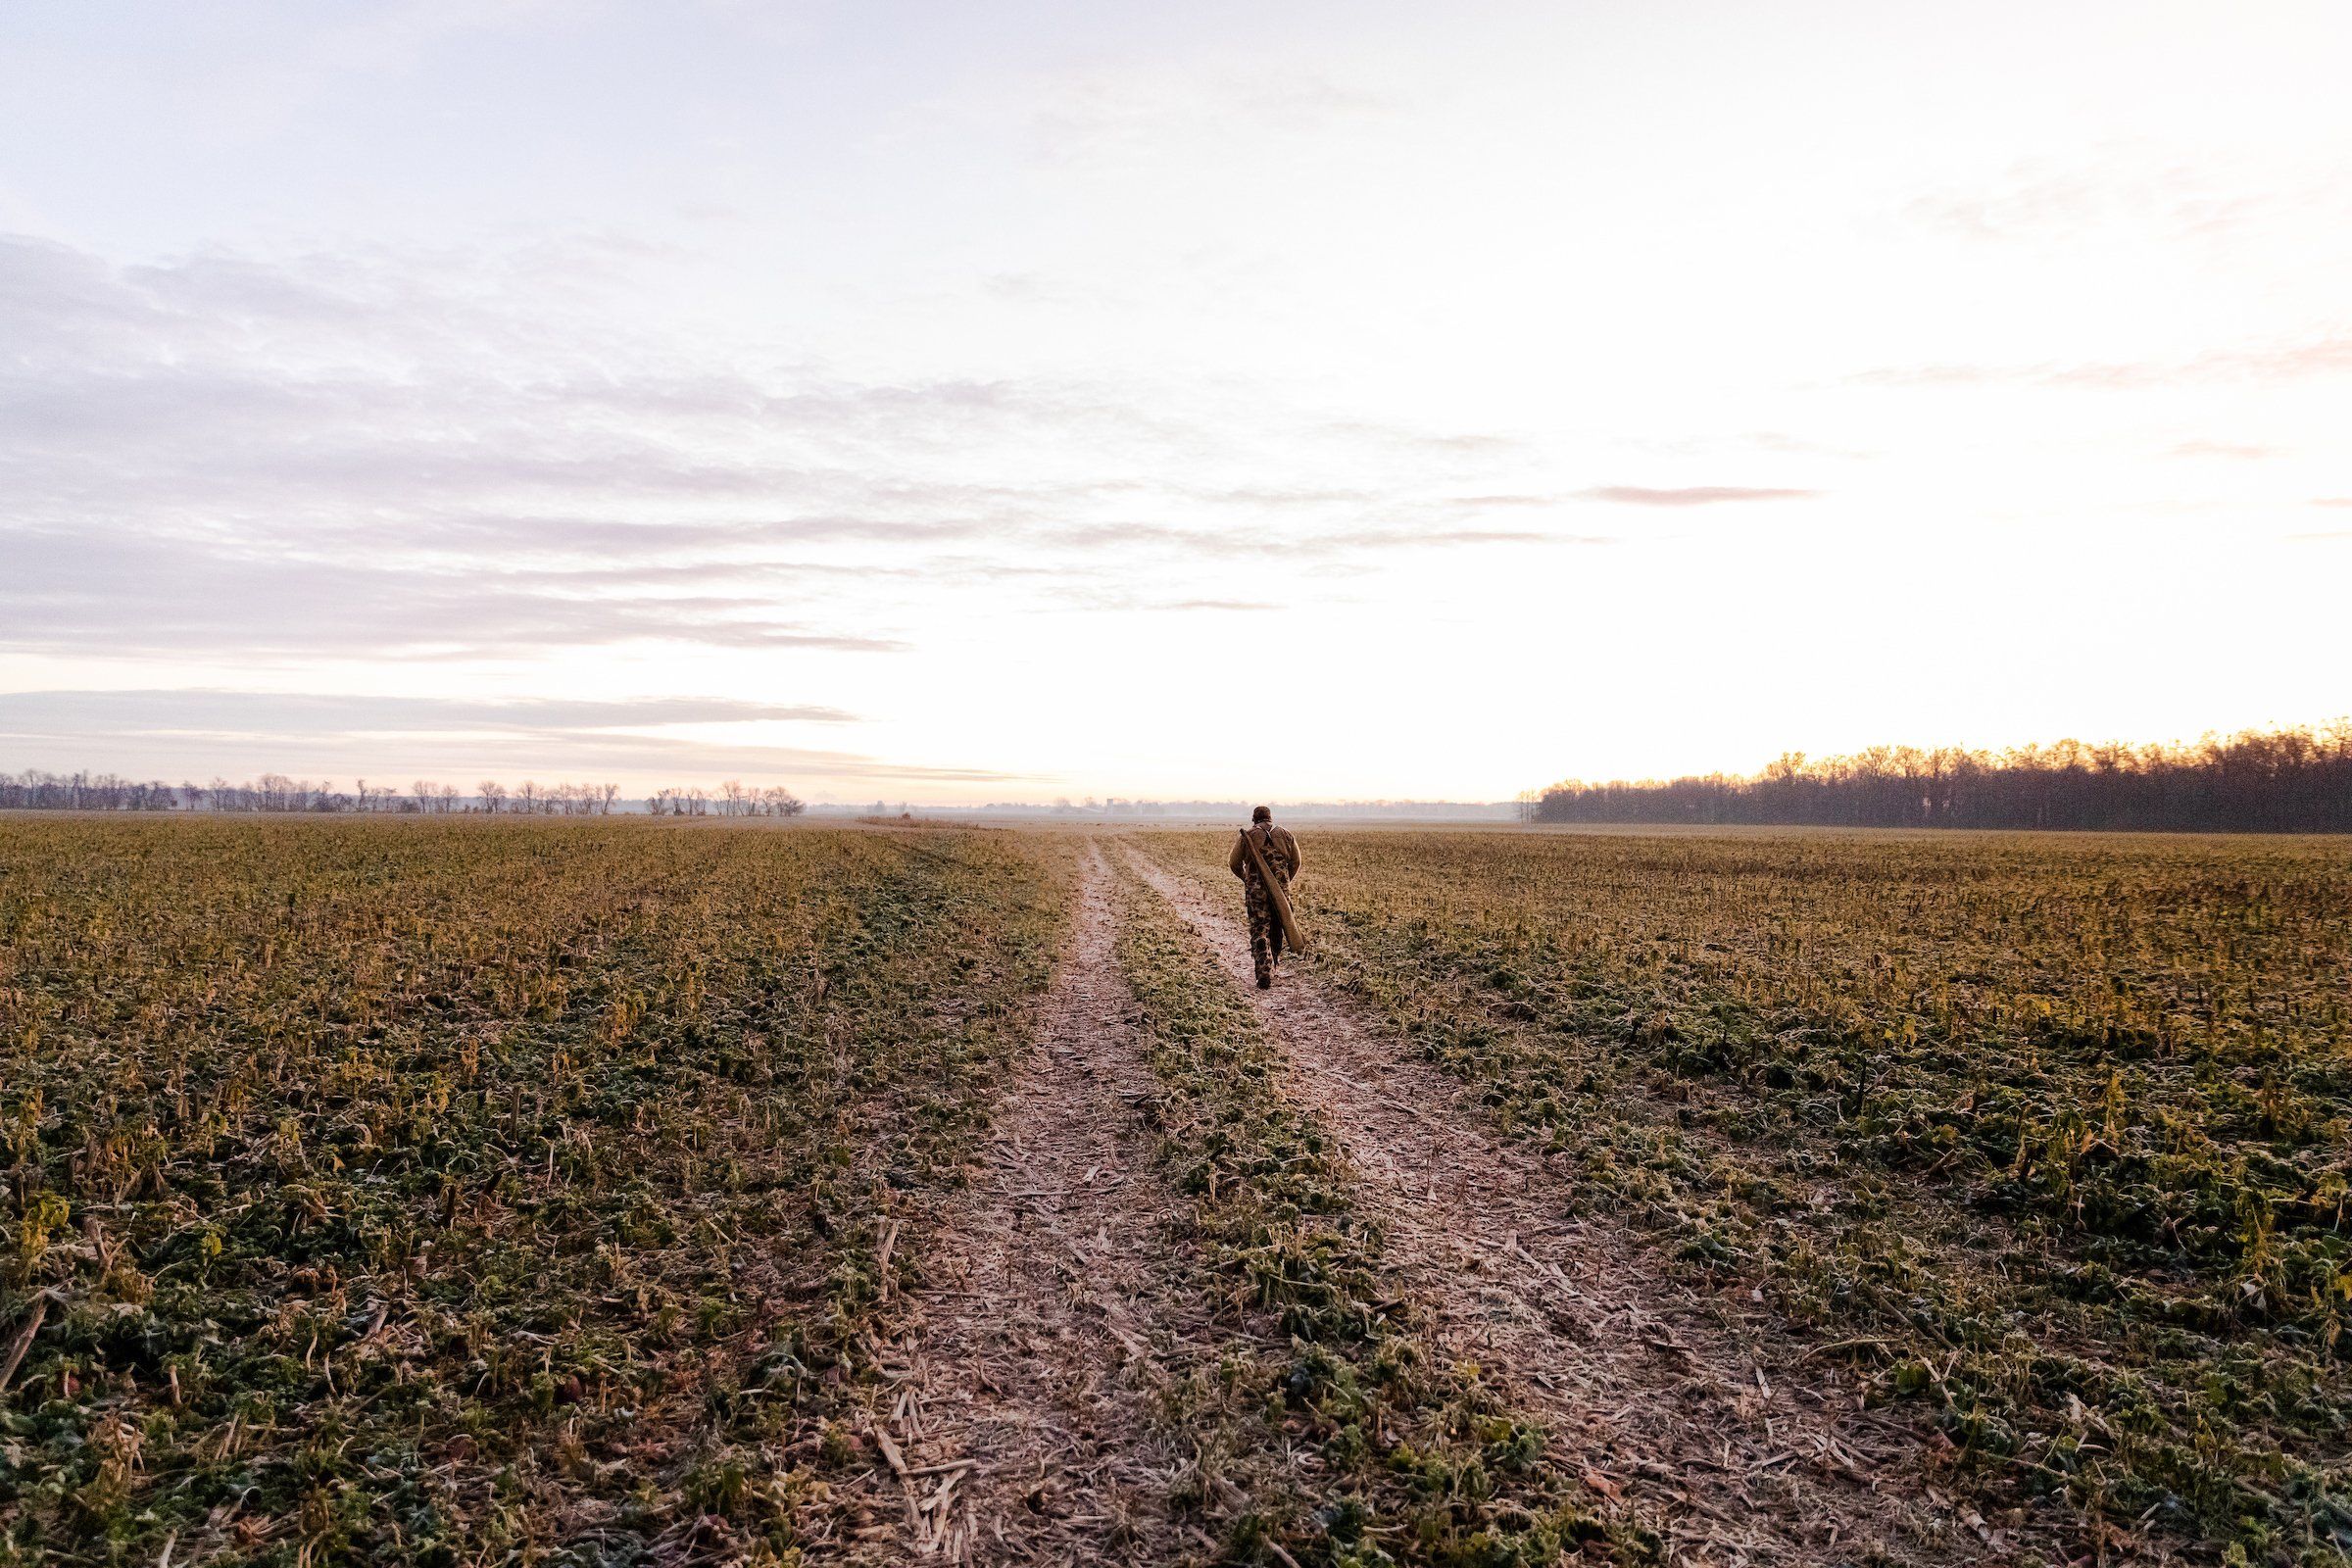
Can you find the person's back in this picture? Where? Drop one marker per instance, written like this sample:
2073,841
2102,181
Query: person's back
1280,852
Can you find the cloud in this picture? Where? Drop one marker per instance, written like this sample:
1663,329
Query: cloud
2123,198
1461,443
1705,494
216,712
2331,500
1777,441
2331,355
1121,536
363,456
2221,448
2326,356
1941,373
1083,116
1268,495
236,733
118,595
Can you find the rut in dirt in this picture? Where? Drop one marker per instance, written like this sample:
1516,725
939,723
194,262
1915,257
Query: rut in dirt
1021,1422
1709,1415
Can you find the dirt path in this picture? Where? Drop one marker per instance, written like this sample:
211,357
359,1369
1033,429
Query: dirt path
1706,1412
1022,1424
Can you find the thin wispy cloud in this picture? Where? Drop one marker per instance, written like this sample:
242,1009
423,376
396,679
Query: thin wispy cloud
1115,537
2326,355
1697,495
173,594
293,467
2039,200
2222,449
208,711
324,733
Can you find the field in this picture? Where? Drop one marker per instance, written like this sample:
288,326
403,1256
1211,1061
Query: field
612,1192
2050,1135
403,1193
1457,1474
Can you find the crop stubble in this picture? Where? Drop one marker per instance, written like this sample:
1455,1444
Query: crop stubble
415,1193
2047,1136
1650,1386
590,1191
1018,1419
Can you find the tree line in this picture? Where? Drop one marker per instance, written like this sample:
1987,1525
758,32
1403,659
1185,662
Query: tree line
34,790
2289,780
734,799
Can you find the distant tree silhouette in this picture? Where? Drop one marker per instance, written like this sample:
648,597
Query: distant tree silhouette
35,790
2296,780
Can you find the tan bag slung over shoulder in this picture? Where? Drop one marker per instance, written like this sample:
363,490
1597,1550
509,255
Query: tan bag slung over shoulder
1274,892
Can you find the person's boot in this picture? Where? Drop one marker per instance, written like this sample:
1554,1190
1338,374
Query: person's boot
1265,979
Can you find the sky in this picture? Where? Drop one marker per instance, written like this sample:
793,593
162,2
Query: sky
1008,401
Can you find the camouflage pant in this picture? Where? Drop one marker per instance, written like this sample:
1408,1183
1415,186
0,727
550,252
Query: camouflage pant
1265,931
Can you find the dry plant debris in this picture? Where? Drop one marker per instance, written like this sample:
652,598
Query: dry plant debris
2047,1138
1399,1454
475,1192
604,1193
1700,1409
1020,1415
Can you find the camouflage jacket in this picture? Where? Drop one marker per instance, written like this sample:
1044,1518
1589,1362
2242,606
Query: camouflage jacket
1276,845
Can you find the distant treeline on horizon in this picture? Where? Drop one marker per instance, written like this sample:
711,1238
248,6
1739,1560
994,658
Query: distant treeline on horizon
2293,780
84,791
34,790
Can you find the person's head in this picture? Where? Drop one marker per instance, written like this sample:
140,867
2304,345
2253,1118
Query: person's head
1261,813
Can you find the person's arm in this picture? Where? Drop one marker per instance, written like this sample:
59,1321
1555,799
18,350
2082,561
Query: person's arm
1234,862
1290,843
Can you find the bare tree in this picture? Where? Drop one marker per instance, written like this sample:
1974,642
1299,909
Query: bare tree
492,793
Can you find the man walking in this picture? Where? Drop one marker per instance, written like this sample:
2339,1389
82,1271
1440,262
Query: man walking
1279,852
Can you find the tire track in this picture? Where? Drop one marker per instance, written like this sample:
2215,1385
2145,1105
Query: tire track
1704,1412
1021,1393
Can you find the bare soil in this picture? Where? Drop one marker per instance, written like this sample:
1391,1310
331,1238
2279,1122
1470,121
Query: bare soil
1019,1422
1711,1415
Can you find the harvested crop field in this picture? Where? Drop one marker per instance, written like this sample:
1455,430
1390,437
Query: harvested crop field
416,1193
2046,1137
626,1192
